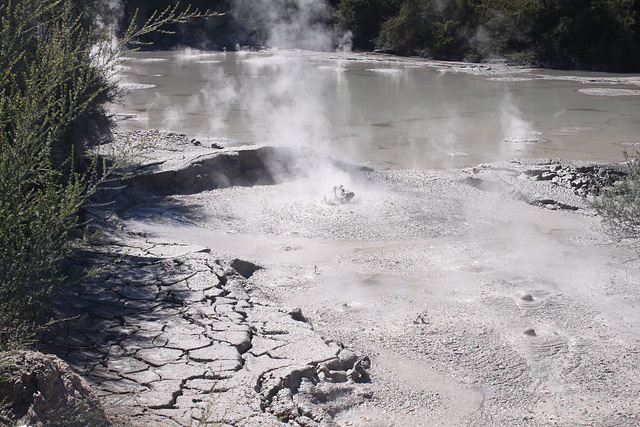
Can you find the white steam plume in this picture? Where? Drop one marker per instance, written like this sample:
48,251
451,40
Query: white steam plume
290,24
291,102
515,129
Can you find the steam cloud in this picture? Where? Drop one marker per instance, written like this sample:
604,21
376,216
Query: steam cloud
285,101
290,24
515,128
288,98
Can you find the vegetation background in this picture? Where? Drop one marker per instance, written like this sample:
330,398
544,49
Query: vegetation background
58,60
582,34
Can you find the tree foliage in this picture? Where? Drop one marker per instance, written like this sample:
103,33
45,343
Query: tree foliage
214,34
586,34
364,19
592,34
46,83
56,69
619,204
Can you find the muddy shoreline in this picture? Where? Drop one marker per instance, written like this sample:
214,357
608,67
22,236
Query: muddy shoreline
488,295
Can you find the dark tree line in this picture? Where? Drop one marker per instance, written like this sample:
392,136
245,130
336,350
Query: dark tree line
587,34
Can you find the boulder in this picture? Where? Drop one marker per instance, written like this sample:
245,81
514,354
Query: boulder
41,389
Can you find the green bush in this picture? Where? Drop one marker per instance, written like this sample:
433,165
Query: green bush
619,204
55,77
430,28
47,82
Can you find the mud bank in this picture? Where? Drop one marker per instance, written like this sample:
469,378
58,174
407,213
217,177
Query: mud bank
478,296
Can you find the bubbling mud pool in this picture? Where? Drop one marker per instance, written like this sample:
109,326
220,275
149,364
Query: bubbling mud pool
477,307
502,302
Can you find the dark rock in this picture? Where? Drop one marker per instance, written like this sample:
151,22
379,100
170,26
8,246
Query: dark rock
296,314
41,389
346,360
244,268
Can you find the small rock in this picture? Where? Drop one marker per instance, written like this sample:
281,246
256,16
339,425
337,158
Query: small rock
346,359
296,314
244,268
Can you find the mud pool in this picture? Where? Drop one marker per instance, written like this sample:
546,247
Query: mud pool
380,110
477,307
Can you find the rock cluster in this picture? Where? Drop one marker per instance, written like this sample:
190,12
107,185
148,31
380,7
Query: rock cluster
544,182
583,179
171,335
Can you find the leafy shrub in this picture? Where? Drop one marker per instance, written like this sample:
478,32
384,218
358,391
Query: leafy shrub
47,82
619,204
55,76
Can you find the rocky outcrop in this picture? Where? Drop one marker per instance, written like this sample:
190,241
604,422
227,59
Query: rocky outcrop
543,182
259,166
41,389
583,178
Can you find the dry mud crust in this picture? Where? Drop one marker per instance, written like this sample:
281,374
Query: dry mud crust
168,334
170,163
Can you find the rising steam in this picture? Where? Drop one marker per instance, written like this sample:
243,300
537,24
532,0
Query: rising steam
290,24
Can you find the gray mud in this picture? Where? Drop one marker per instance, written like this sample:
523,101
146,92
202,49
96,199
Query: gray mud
482,296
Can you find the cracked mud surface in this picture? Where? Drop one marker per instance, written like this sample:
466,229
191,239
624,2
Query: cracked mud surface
481,296
167,334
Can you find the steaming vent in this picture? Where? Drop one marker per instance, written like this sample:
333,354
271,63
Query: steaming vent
531,300
528,138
